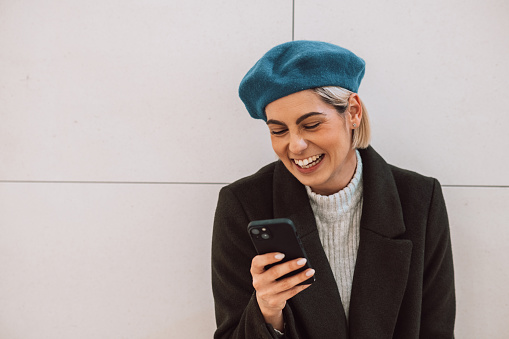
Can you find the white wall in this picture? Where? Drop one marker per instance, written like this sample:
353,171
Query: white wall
120,121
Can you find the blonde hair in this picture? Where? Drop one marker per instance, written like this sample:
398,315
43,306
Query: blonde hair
338,97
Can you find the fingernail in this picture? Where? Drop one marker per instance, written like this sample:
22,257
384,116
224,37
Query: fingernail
301,261
310,272
279,256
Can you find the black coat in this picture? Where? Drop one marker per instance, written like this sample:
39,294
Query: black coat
403,284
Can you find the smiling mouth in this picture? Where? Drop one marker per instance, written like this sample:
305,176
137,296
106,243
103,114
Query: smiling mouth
308,162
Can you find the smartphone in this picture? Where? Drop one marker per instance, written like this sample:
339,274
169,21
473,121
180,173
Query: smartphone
279,235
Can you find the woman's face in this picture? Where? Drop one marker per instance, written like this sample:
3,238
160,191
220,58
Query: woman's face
313,140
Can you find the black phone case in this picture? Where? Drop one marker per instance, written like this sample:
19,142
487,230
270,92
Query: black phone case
282,237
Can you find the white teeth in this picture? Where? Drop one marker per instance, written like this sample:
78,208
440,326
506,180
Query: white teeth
309,162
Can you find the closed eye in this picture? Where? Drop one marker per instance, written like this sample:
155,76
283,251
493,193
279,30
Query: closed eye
312,126
278,132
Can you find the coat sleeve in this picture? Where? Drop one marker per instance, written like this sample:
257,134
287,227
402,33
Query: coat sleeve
438,303
237,312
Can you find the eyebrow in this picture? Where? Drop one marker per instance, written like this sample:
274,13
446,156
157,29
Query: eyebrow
298,121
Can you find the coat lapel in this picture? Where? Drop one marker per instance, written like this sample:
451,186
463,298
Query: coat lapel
383,262
320,304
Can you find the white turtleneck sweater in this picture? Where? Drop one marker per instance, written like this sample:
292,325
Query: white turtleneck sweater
338,219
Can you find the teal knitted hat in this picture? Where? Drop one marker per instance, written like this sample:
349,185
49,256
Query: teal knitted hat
296,66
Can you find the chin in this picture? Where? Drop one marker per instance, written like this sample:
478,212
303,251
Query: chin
311,180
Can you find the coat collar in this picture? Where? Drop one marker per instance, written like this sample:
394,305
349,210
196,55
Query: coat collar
382,264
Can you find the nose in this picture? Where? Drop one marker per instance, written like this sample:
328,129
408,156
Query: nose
297,144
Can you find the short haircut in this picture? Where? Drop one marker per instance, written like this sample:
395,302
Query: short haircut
338,97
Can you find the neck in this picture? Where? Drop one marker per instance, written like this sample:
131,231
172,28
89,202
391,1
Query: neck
347,171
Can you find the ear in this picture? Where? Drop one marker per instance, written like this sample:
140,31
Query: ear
354,115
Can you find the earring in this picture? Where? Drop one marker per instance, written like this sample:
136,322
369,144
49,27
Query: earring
354,125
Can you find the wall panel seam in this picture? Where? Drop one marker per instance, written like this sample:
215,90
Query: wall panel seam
293,20
181,183
111,182
475,186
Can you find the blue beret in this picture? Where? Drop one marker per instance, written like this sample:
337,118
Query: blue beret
296,66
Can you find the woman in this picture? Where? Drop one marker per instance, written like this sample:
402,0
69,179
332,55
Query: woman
376,235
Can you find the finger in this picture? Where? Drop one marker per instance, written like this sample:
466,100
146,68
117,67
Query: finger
290,293
276,293
274,289
293,281
260,261
280,270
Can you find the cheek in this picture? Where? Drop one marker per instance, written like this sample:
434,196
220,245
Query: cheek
338,143
276,145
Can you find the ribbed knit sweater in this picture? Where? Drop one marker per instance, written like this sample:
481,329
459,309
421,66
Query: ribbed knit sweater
338,218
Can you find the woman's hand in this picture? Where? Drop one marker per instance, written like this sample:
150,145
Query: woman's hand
271,294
